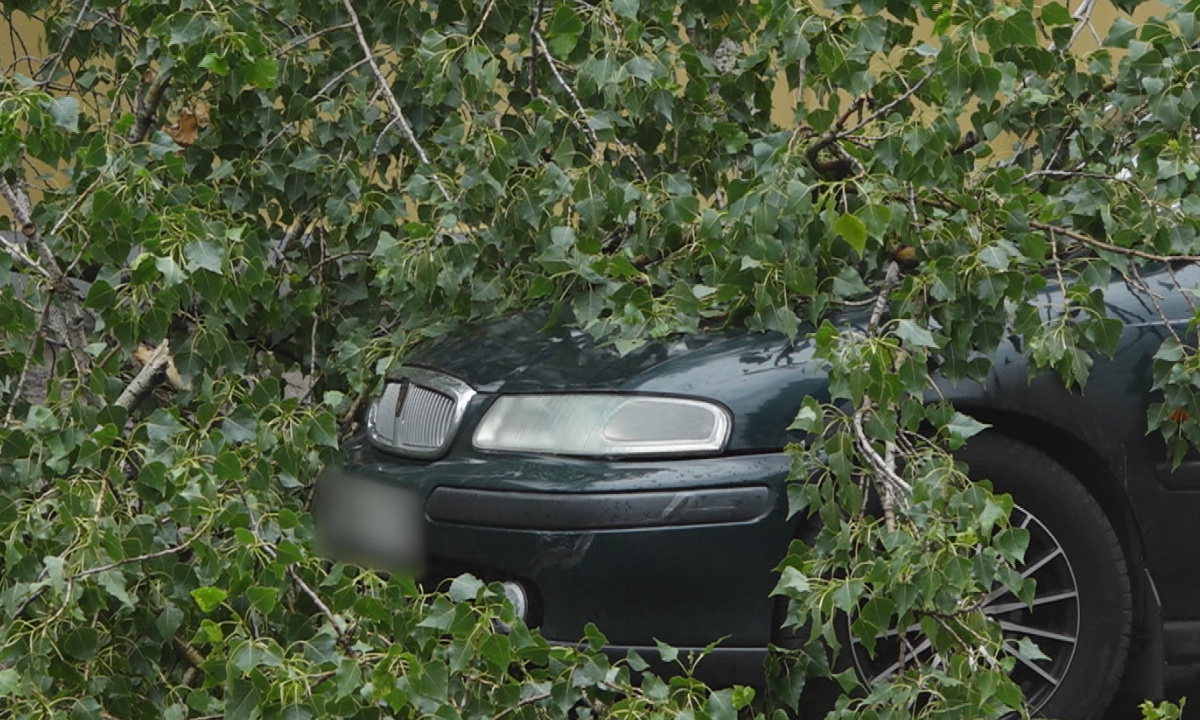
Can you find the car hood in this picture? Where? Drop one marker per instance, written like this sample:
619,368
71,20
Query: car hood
760,377
530,352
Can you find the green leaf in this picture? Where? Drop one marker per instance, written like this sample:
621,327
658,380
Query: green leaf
627,9
1056,14
595,639
914,335
171,272
720,705
465,587
241,699
168,621
635,661
209,598
562,34
263,598
964,426
215,64
81,643
875,218
262,72
666,653
161,426
204,254
240,426
323,430
65,113
853,231
792,583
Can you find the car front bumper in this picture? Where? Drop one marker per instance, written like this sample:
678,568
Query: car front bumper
681,551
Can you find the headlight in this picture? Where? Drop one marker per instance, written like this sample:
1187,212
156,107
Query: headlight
603,425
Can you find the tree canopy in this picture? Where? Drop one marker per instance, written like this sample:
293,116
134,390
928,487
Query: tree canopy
227,221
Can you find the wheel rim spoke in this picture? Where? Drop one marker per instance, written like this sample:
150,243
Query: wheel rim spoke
1040,600
1032,666
1053,612
1036,632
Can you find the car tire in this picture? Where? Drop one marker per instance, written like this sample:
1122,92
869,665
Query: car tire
1063,518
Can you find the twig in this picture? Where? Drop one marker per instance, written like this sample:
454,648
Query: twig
382,133
837,130
393,103
541,42
1083,18
1081,238
595,140
339,76
18,202
195,659
893,489
296,230
342,632
140,558
1109,247
18,253
522,703
308,38
487,11
79,199
538,10
51,65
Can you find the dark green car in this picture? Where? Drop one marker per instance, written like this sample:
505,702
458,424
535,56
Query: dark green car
646,493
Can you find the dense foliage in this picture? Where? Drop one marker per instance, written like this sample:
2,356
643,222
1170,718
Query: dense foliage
228,220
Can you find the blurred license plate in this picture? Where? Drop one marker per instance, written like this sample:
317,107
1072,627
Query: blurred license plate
369,522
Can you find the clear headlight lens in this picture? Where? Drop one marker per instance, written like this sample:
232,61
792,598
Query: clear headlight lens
603,425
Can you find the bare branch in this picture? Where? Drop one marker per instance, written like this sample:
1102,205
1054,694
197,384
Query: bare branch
1083,18
336,78
838,130
143,383
18,253
393,103
890,276
309,38
147,107
24,376
51,65
549,58
136,559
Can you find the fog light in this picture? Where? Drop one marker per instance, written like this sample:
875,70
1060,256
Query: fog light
519,599
516,595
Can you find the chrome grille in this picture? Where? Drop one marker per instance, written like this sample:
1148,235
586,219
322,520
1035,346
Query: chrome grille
418,413
425,418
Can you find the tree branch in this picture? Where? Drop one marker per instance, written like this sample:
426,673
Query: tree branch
51,65
23,377
310,37
405,128
537,36
18,253
130,560
147,107
1083,239
74,317
838,130
143,383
